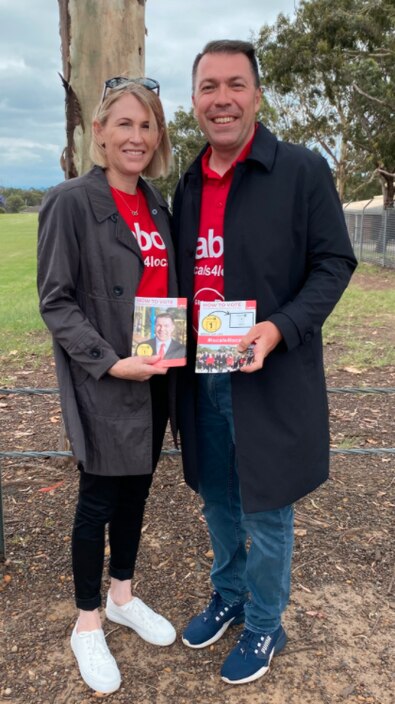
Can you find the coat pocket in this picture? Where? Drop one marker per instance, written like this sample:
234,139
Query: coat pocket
78,373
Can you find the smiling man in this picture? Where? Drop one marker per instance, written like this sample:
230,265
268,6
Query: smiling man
255,218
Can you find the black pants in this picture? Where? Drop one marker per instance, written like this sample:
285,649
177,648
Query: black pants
120,502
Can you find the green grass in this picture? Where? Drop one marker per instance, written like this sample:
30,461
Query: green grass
21,327
348,443
363,322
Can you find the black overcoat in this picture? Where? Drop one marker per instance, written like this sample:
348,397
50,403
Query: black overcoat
286,246
89,268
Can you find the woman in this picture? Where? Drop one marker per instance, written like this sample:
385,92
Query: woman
99,240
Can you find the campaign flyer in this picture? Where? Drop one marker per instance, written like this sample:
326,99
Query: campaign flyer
159,328
222,324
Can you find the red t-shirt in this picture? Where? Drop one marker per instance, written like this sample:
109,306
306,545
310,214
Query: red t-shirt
154,281
209,257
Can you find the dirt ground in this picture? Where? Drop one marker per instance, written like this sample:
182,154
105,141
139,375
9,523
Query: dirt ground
340,617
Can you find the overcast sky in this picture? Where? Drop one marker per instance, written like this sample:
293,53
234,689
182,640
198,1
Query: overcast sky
31,96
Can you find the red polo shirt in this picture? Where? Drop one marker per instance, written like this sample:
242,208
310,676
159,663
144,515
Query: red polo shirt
209,257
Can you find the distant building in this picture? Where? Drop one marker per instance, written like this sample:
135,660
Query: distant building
370,205
371,230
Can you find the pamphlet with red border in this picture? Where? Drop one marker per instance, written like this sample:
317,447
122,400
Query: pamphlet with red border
159,328
222,324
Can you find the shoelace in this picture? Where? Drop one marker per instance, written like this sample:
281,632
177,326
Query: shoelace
98,652
249,641
148,617
214,606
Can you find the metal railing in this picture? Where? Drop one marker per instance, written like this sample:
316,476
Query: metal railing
53,453
372,233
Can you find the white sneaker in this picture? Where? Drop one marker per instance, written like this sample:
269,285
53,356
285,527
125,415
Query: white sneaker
98,668
149,625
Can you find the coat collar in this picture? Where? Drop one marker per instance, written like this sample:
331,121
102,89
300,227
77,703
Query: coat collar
264,147
100,197
263,151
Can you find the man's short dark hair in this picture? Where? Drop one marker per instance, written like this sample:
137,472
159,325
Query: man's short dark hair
164,315
229,46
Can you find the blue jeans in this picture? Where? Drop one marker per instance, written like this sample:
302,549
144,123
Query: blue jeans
262,574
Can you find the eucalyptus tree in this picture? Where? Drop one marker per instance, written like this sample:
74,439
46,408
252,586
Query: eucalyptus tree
329,75
99,40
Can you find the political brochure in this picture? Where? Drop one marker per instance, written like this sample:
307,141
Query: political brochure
159,328
222,324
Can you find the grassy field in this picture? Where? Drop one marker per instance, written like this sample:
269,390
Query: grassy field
23,334
363,322
21,326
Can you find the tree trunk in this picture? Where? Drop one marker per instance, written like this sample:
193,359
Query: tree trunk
341,171
99,39
388,187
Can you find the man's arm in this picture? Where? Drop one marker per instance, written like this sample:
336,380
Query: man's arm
330,264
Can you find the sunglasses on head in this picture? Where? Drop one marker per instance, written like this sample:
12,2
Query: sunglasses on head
121,81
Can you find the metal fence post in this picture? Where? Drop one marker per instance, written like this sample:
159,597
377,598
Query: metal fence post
385,225
362,230
2,539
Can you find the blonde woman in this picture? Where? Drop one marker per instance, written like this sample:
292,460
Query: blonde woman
103,239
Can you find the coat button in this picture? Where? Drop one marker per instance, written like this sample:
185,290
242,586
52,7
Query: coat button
95,353
154,211
117,290
114,217
308,336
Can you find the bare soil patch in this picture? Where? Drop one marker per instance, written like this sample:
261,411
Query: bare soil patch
340,618
369,280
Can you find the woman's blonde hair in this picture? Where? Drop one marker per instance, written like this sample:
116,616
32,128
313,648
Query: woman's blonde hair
161,161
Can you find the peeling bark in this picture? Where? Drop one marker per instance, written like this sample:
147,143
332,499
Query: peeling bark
99,39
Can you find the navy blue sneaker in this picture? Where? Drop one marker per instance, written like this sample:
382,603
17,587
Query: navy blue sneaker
211,624
250,658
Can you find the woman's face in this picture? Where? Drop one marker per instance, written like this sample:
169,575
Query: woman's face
130,136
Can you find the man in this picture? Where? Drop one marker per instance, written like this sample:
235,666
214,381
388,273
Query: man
259,219
164,343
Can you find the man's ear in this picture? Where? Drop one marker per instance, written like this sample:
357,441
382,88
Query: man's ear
194,105
258,98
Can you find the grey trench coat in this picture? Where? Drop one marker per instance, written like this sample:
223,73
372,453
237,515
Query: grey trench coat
89,267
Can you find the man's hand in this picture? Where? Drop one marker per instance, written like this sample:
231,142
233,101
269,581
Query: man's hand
137,368
264,337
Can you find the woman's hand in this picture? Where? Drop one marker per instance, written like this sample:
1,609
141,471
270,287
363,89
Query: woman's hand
137,368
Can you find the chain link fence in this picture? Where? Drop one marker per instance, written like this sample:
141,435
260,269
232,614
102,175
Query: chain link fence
372,231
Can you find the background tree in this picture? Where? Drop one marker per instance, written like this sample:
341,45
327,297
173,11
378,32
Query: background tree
14,203
33,196
187,140
99,40
30,196
373,130
329,74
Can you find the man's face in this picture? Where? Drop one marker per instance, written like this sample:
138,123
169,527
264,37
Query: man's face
164,328
226,101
